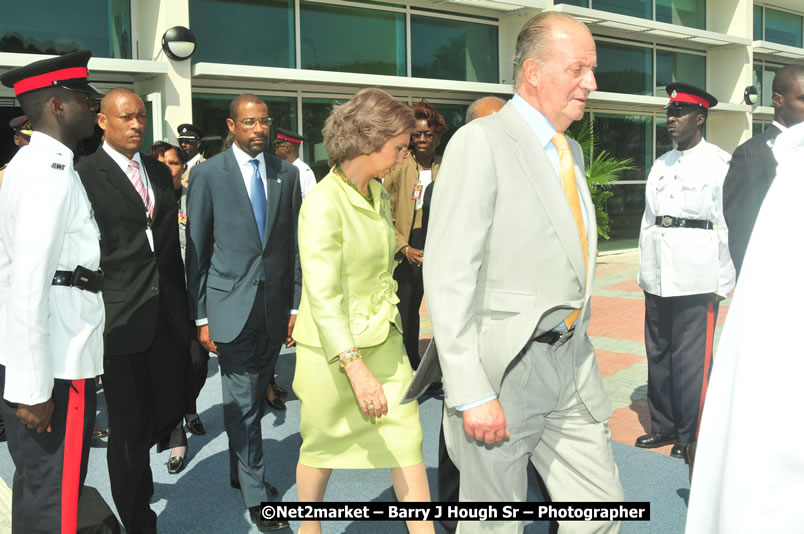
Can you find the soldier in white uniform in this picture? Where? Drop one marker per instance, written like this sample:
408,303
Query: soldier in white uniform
685,270
51,311
287,146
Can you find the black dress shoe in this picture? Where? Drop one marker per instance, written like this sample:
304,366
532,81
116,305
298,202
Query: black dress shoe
272,491
195,427
678,450
175,464
279,390
276,403
265,525
655,439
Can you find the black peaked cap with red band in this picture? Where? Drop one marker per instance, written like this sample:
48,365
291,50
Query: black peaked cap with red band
68,71
686,95
287,135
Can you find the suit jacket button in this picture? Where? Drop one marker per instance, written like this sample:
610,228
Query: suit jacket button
154,289
255,282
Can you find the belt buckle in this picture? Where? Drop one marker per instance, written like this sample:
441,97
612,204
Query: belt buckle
564,337
667,221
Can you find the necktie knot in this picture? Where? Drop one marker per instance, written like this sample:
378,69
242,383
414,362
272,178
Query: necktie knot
560,142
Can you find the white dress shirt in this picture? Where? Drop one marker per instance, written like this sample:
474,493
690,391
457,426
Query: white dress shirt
686,261
247,169
123,162
46,225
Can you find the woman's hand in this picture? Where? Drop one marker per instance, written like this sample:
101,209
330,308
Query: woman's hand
367,389
413,255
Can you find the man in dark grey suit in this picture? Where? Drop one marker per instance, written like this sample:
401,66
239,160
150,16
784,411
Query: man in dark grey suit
244,280
753,166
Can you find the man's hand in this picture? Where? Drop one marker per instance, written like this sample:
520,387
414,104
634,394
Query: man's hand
206,342
39,416
289,342
486,422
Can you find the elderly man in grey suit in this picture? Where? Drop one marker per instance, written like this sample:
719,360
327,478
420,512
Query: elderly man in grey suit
244,280
511,251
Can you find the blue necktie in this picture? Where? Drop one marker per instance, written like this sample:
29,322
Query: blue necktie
258,202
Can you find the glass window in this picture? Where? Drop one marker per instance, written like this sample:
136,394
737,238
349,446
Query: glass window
349,39
635,8
314,113
679,67
626,136
624,69
758,127
783,28
210,112
625,208
757,23
47,27
244,32
689,13
663,142
581,3
768,73
453,50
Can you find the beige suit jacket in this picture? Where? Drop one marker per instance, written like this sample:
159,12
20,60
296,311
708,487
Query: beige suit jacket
185,178
400,183
504,262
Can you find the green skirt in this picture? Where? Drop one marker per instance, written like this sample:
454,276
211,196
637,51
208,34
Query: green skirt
335,433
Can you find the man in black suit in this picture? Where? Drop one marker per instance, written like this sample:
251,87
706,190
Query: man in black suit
244,280
147,335
753,166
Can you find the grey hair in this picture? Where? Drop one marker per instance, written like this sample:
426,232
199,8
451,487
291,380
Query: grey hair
534,39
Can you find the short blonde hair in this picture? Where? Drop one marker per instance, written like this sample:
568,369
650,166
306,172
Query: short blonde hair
364,124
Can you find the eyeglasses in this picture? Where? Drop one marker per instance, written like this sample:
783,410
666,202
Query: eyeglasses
427,135
251,122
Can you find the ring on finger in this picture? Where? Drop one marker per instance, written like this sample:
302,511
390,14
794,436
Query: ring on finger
363,402
370,406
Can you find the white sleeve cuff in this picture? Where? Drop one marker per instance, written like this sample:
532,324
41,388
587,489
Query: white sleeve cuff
202,322
475,404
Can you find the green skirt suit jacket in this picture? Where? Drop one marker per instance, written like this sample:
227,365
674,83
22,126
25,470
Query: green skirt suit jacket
349,300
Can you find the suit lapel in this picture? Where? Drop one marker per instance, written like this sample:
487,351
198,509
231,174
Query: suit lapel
273,179
543,178
237,187
116,177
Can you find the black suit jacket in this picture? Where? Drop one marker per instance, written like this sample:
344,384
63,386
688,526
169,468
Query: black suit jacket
134,276
751,172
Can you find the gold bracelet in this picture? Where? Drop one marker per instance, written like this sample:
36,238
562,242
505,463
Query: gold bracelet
349,356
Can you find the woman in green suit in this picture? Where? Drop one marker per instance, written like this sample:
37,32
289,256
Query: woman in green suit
351,369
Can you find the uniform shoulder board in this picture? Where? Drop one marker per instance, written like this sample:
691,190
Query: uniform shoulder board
58,166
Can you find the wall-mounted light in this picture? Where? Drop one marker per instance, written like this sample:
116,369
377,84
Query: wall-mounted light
751,95
178,43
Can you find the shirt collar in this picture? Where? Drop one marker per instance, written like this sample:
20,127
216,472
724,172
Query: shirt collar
538,123
243,159
780,126
194,159
697,148
122,160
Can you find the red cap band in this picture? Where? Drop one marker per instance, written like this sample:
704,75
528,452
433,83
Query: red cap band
47,79
288,139
689,99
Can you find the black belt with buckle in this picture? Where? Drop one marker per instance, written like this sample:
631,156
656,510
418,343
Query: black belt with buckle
666,221
554,337
81,277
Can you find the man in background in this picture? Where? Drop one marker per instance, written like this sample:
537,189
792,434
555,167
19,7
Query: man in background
753,166
288,147
22,129
190,141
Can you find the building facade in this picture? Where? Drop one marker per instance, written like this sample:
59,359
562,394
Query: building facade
301,56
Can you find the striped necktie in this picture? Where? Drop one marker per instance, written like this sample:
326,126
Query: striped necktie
139,186
570,187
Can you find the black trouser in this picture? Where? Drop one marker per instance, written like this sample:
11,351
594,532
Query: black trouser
50,467
146,397
679,338
449,478
410,293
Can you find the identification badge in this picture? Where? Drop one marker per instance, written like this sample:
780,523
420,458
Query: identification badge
417,192
150,235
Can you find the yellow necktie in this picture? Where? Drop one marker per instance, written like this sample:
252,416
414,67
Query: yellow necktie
570,187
